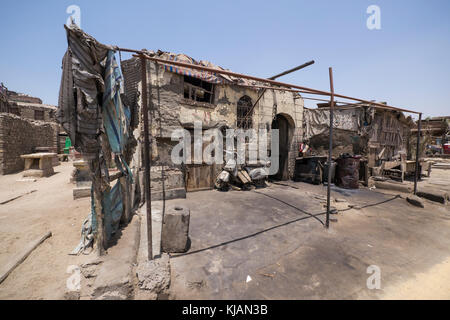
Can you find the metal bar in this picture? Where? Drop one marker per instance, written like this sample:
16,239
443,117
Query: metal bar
273,82
292,70
357,104
416,175
148,197
249,112
129,50
330,148
273,78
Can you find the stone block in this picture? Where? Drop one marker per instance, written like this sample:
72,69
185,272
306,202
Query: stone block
433,195
179,193
175,230
81,192
415,201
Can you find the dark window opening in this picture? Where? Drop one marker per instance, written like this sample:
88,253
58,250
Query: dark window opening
14,110
244,116
38,115
198,90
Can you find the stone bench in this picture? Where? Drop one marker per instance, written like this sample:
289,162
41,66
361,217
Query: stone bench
38,164
55,159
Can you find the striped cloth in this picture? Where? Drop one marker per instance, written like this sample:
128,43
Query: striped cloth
116,116
203,75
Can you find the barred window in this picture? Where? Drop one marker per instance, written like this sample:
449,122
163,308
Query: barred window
244,106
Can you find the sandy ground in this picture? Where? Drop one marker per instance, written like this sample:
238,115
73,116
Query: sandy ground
433,284
50,208
413,252
302,260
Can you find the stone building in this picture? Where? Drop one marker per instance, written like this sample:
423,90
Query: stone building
181,97
29,107
20,136
25,124
358,130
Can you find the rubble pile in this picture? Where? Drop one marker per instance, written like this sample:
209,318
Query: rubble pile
237,177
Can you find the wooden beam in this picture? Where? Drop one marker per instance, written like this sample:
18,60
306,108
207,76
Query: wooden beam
21,258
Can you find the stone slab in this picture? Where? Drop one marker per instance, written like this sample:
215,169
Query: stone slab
175,229
81,192
115,276
178,193
415,201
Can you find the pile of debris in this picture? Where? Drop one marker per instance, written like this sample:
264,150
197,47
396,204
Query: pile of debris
242,177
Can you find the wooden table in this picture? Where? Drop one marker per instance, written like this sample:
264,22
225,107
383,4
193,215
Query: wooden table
38,164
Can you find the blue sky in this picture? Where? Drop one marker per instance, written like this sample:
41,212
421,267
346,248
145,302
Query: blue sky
406,63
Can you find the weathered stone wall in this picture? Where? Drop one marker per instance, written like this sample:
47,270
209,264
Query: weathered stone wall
27,110
174,110
170,110
16,96
20,136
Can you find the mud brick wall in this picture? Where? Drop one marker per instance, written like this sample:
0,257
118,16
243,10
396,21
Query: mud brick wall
20,136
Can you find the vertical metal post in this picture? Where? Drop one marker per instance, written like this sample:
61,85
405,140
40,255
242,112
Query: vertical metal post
148,197
330,148
416,175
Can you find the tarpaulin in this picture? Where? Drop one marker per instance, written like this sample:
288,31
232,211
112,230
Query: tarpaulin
81,82
318,120
112,207
116,116
96,127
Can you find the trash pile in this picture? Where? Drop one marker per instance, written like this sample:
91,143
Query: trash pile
242,177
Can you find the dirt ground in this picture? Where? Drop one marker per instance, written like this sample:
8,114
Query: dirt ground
265,235
432,284
51,207
244,245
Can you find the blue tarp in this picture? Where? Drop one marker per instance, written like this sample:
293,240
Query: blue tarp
112,208
116,116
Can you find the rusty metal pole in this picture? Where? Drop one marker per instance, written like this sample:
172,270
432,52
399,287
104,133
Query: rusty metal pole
416,175
148,198
273,78
330,147
273,82
292,70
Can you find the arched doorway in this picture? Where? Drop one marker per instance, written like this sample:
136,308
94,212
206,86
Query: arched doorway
285,125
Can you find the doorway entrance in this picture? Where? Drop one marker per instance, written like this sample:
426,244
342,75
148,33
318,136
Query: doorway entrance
285,128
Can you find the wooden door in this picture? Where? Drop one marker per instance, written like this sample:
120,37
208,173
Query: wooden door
199,177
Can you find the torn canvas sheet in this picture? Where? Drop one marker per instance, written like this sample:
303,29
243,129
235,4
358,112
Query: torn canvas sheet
96,127
318,120
81,82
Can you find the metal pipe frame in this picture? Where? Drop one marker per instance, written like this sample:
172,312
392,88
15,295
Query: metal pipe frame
273,78
148,195
330,148
273,82
292,70
416,173
137,53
